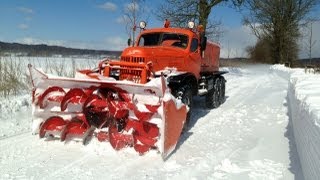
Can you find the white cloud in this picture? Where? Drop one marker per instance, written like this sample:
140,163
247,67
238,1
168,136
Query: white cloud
31,40
23,26
235,41
110,43
28,13
28,18
109,6
115,43
70,44
123,19
26,10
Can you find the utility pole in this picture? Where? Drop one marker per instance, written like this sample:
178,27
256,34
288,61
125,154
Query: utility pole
134,23
311,41
132,13
228,50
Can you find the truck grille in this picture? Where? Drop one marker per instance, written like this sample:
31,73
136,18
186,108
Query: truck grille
133,59
128,72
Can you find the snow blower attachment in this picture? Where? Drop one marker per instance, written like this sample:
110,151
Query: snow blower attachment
93,104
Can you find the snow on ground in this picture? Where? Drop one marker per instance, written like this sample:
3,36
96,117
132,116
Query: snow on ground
247,137
15,115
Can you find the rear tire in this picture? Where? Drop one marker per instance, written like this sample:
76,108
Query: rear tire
214,96
222,90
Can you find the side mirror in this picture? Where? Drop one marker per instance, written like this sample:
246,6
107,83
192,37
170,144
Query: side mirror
129,41
203,42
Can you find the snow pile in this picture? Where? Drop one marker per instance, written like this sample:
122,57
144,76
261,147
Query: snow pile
283,71
234,70
304,109
12,117
304,97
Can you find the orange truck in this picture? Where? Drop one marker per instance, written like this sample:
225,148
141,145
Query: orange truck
143,100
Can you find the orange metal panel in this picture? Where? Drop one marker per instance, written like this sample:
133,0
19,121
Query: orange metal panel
174,121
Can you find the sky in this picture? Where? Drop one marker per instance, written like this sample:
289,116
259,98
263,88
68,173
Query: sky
98,24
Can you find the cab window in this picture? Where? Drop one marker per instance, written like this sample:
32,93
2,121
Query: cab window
176,40
194,45
164,39
149,39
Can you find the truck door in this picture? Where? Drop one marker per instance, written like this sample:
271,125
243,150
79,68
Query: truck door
195,57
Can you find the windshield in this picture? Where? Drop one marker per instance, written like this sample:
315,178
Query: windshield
164,39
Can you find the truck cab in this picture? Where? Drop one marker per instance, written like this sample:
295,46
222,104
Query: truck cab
189,62
168,49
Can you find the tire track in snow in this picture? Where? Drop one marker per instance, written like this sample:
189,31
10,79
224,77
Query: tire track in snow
15,155
225,116
255,98
66,169
39,155
13,139
231,129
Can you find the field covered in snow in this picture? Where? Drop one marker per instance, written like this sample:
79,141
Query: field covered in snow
253,135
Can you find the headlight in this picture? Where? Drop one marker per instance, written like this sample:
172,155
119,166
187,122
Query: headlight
191,25
142,24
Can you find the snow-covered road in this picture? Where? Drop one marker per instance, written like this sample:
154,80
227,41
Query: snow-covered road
248,137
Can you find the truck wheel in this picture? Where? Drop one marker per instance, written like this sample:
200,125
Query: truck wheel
222,90
185,94
213,96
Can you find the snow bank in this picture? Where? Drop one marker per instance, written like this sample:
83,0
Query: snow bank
284,71
304,97
12,117
304,109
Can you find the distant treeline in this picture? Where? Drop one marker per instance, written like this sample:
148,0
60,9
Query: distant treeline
45,50
306,62
300,63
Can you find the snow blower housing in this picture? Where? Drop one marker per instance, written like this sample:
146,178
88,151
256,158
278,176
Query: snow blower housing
143,100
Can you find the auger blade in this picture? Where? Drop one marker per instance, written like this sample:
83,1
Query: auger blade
88,135
96,112
53,124
75,129
74,96
119,140
53,93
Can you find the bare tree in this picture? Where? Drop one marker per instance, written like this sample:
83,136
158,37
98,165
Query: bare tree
134,12
260,52
278,21
179,12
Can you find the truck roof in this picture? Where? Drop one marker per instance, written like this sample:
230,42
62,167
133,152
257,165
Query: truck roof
169,30
175,30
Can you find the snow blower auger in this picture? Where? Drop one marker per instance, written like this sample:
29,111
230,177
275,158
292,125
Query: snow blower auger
126,114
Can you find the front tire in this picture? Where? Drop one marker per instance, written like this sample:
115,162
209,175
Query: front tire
186,96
